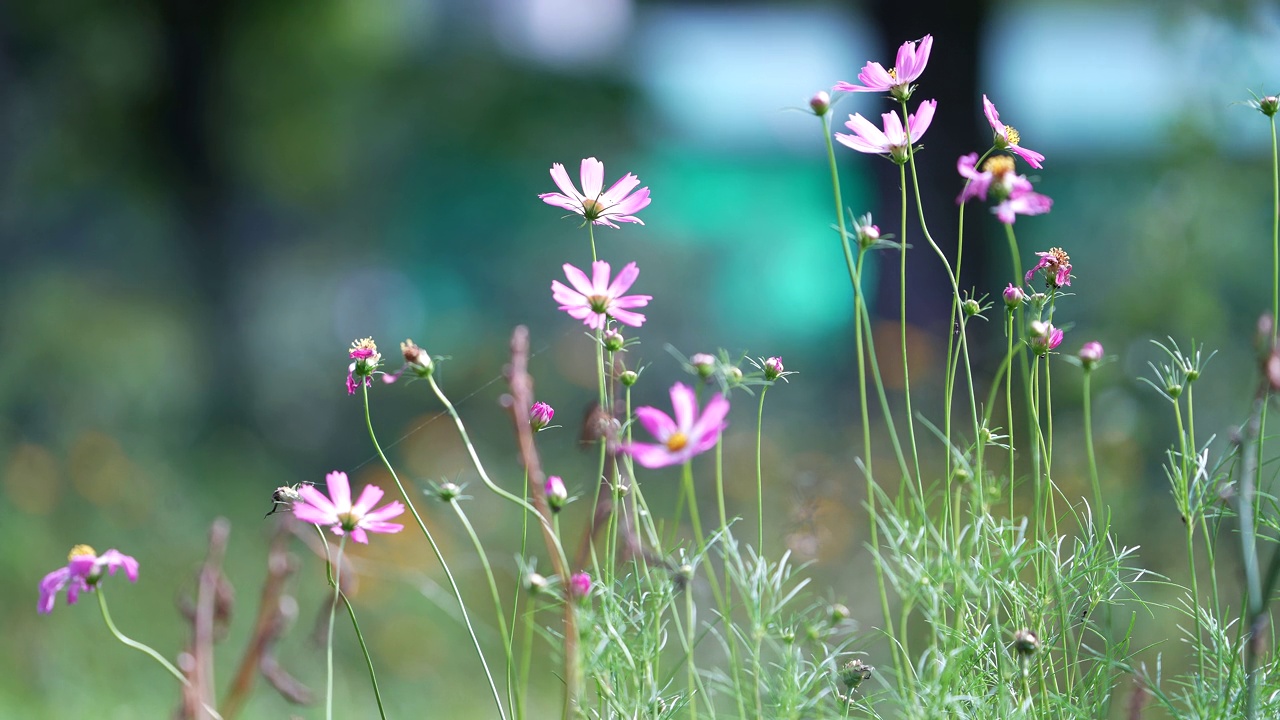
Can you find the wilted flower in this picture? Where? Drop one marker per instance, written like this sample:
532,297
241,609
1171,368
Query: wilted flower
1057,268
1091,354
612,206
84,570
337,511
556,493
579,585
896,80
854,673
1007,137
540,415
689,434
364,352
1013,193
820,103
1026,643
1014,297
595,300
892,141
416,359
1044,337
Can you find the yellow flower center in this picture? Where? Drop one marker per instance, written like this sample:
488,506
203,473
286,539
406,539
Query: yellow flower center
592,208
81,551
998,165
599,303
1012,134
348,520
1060,256
677,441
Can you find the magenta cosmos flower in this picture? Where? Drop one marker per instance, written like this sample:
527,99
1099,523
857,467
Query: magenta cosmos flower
85,568
1007,137
1013,193
1044,337
689,434
365,356
614,205
594,300
897,79
892,141
337,511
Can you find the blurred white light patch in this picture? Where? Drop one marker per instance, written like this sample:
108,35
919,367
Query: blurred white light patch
1122,78
565,34
725,76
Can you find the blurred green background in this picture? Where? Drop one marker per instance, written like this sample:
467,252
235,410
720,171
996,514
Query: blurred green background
202,204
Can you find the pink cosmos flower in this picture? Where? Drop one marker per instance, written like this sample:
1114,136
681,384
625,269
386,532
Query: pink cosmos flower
1091,354
892,141
1007,137
365,356
689,434
1013,193
83,572
896,80
337,511
1056,265
614,205
593,301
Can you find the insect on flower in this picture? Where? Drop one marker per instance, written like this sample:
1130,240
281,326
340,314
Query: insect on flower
284,497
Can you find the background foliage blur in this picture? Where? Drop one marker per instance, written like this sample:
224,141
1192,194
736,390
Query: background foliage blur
202,204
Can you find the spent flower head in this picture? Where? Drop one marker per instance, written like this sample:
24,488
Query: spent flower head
82,573
1014,195
416,360
892,141
594,300
897,80
1056,265
688,434
854,672
337,511
365,358
1007,138
615,205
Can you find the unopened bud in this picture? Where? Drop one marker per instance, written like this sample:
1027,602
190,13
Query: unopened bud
448,492
704,364
540,416
971,307
613,340
773,368
629,377
1091,354
1014,297
820,103
854,673
1026,643
556,493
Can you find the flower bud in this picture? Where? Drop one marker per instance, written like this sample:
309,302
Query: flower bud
820,103
704,364
629,377
1014,297
540,416
417,359
448,492
773,368
1269,105
579,585
535,583
613,340
854,673
733,374
1091,354
839,613
971,307
1026,643
556,493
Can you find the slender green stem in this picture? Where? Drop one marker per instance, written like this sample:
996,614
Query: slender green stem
493,591
902,317
1088,443
146,649
759,473
591,233
1275,235
351,611
328,645
453,584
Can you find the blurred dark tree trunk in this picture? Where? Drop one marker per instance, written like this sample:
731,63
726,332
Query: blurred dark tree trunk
951,79
185,126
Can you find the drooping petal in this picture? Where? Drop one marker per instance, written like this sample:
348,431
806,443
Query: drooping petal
858,143
1033,158
626,317
382,527
49,587
313,515
592,178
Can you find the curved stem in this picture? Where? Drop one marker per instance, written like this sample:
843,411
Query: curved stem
493,591
453,584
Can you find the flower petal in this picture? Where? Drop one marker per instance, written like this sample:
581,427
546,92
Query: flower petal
578,279
386,512
1033,158
316,499
626,317
339,490
592,178
561,178
684,401
619,190
659,424
993,117
626,278
650,456
922,119
368,498
600,272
